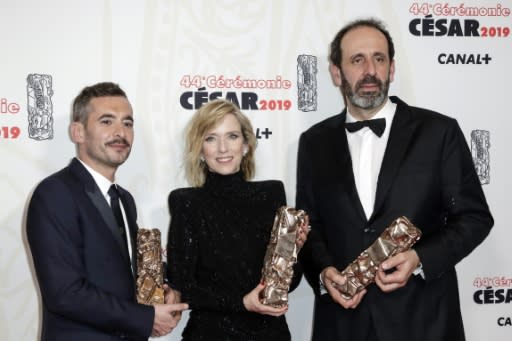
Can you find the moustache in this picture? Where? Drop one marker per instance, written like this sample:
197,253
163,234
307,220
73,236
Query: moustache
118,141
369,80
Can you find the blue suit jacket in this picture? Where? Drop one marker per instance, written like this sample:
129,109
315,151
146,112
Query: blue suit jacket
83,268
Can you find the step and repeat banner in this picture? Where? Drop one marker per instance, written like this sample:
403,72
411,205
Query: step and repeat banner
270,57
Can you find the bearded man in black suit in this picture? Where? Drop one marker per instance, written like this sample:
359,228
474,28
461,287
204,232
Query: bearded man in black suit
354,179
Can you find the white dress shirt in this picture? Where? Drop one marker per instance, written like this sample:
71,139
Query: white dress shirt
367,151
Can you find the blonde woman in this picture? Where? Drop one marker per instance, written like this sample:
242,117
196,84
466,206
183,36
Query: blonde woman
220,229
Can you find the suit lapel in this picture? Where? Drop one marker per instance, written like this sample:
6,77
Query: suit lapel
402,131
343,162
132,226
101,204
98,200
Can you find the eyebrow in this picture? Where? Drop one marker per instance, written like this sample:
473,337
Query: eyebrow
110,115
227,132
360,54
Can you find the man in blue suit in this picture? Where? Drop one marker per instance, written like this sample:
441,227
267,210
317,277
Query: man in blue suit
84,258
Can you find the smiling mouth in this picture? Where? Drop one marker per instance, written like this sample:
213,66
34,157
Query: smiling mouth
224,159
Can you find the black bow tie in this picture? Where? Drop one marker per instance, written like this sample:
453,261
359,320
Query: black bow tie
376,125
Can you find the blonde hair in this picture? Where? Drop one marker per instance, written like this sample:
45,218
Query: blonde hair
205,119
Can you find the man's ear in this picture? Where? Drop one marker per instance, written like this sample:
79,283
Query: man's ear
335,74
77,132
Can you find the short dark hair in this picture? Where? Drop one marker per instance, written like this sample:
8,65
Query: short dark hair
81,102
335,52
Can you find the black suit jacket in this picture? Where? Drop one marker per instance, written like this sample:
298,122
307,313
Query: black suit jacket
427,175
82,266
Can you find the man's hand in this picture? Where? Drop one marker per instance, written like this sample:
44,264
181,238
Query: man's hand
332,277
252,303
166,317
403,264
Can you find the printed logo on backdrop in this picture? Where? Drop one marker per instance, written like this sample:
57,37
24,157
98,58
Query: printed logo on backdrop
241,91
494,290
8,111
249,94
40,107
306,83
505,321
480,144
440,19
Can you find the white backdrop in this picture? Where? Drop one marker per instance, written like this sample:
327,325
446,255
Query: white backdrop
160,50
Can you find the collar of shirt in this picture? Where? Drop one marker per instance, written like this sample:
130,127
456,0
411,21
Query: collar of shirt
102,182
387,112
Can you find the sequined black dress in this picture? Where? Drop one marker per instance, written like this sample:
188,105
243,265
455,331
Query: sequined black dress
217,241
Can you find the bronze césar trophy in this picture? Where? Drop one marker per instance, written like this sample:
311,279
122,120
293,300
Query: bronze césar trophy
397,237
280,256
150,276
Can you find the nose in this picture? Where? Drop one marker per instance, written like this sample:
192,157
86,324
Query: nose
370,67
223,146
120,129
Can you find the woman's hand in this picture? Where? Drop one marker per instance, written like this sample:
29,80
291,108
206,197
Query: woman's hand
302,235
